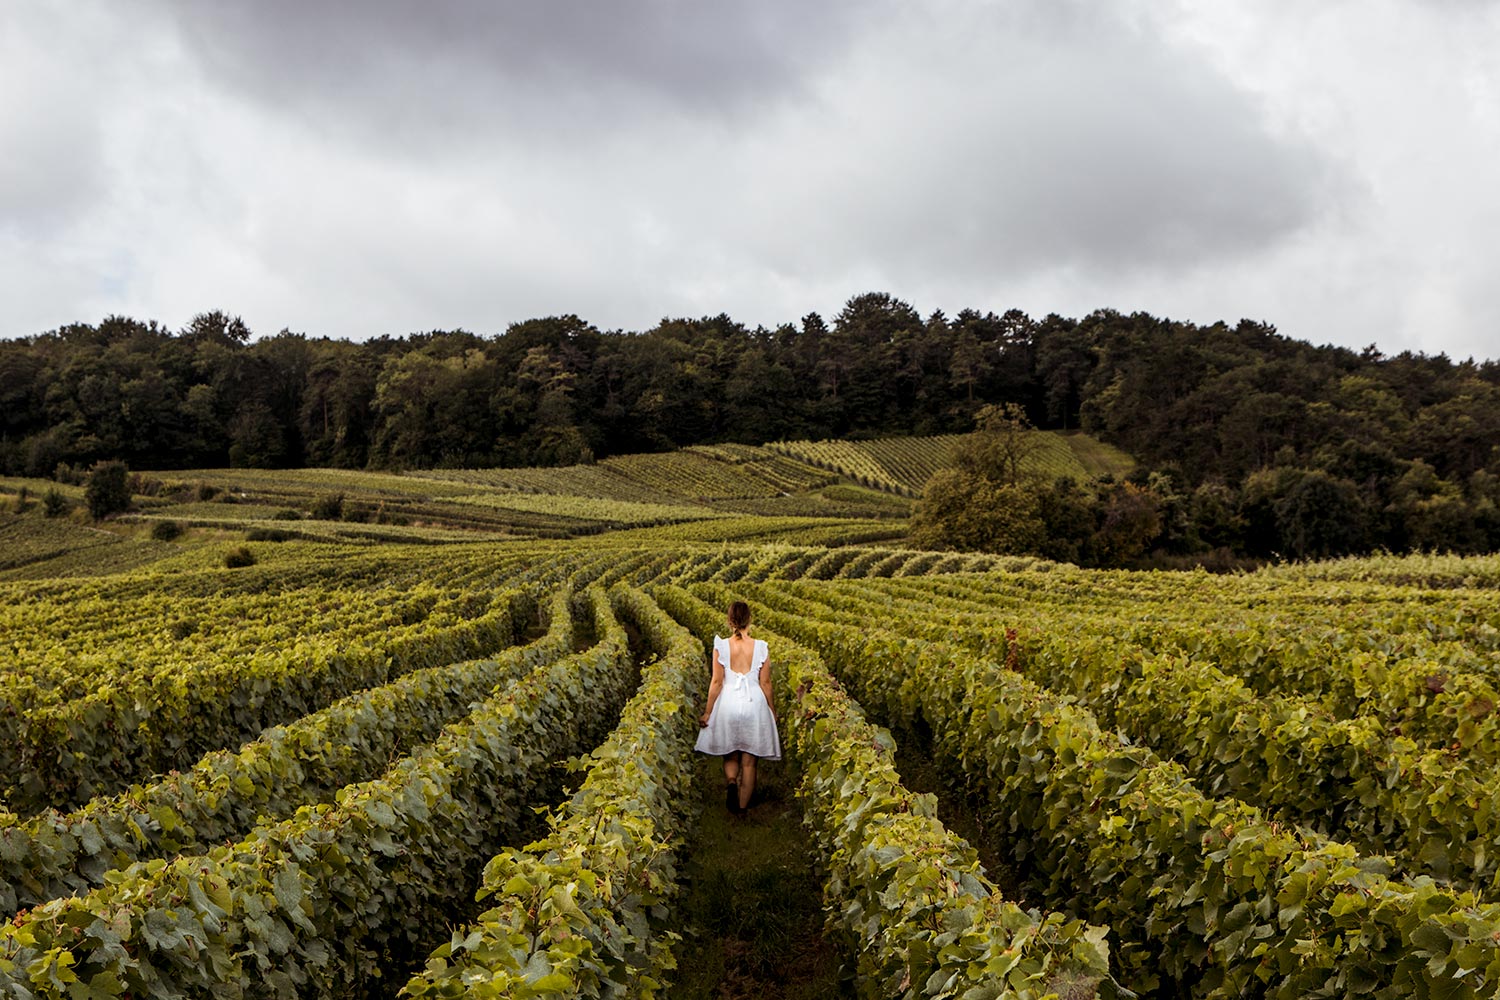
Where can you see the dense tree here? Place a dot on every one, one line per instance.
(108, 490)
(1257, 433)
(986, 500)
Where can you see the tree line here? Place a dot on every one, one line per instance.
(1234, 421)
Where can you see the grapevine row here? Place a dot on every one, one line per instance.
(1435, 809)
(580, 912)
(1434, 702)
(905, 895)
(227, 793)
(1205, 892)
(322, 903)
(66, 754)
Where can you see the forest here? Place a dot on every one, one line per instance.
(1249, 441)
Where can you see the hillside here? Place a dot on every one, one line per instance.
(800, 492)
(1275, 447)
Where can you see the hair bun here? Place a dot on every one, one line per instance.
(739, 617)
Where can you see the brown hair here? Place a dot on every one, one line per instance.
(739, 617)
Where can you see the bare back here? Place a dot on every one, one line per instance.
(741, 654)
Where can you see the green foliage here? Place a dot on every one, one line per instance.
(1200, 889)
(580, 913)
(165, 712)
(1001, 447)
(1209, 403)
(962, 510)
(316, 904)
(992, 500)
(166, 531)
(107, 491)
(54, 504)
(1280, 694)
(1435, 810)
(908, 898)
(238, 558)
(329, 507)
(227, 793)
(1128, 523)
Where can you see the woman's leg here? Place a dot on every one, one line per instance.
(732, 766)
(731, 775)
(747, 779)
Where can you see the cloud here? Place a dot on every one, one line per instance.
(395, 167)
(53, 165)
(464, 73)
(1044, 142)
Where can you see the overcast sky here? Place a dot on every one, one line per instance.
(386, 167)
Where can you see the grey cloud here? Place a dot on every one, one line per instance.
(1044, 142)
(458, 70)
(383, 167)
(53, 166)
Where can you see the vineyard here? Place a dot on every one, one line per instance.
(814, 492)
(337, 772)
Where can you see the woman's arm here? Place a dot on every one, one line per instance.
(765, 685)
(715, 685)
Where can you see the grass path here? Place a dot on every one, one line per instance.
(752, 921)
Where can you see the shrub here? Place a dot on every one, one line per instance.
(288, 514)
(166, 531)
(207, 491)
(145, 486)
(54, 504)
(269, 535)
(23, 497)
(329, 508)
(108, 490)
(236, 558)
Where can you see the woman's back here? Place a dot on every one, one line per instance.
(741, 654)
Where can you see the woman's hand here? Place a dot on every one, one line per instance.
(703, 721)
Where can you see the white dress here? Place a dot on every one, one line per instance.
(741, 719)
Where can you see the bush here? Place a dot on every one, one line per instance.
(329, 508)
(236, 558)
(288, 514)
(54, 504)
(966, 511)
(207, 492)
(269, 535)
(108, 490)
(166, 531)
(23, 497)
(145, 486)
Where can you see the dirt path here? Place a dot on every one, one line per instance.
(752, 921)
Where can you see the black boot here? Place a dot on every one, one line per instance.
(732, 796)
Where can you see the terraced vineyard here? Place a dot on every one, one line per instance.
(903, 465)
(829, 484)
(321, 775)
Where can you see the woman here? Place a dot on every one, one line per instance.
(739, 721)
